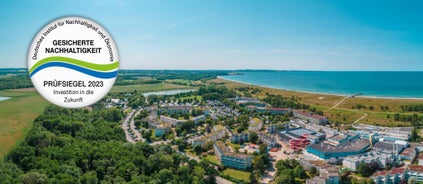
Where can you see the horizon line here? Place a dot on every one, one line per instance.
(299, 70)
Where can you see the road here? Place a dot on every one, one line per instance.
(124, 126)
(220, 180)
(137, 133)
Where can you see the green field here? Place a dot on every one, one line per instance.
(242, 175)
(148, 87)
(213, 159)
(17, 115)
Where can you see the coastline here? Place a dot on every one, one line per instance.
(318, 93)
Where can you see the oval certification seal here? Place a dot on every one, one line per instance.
(73, 62)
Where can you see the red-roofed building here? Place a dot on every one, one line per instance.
(408, 155)
(421, 159)
(393, 176)
(399, 175)
(310, 116)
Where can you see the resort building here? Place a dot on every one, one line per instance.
(394, 176)
(382, 159)
(161, 129)
(408, 155)
(269, 140)
(297, 133)
(327, 151)
(274, 128)
(198, 119)
(172, 121)
(176, 122)
(399, 175)
(174, 109)
(385, 133)
(310, 116)
(218, 133)
(328, 173)
(330, 132)
(387, 147)
(278, 111)
(421, 159)
(255, 125)
(341, 139)
(229, 159)
(240, 137)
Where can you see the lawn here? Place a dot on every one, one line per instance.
(213, 159)
(17, 115)
(242, 175)
(197, 97)
(190, 153)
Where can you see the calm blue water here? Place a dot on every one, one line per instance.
(378, 84)
(4, 98)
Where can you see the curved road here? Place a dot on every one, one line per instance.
(124, 126)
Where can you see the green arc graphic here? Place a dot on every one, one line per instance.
(92, 66)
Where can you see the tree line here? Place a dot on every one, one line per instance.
(88, 146)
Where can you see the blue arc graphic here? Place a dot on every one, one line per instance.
(102, 75)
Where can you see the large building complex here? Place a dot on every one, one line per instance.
(328, 151)
(381, 159)
(230, 159)
(310, 116)
(399, 175)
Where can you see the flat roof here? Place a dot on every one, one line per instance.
(300, 131)
(309, 114)
(237, 155)
(407, 151)
(347, 147)
(417, 168)
(383, 145)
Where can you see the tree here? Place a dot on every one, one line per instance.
(254, 177)
(253, 137)
(299, 172)
(89, 178)
(210, 174)
(286, 177)
(313, 171)
(363, 169)
(33, 178)
(258, 164)
(414, 135)
(147, 135)
(165, 176)
(197, 149)
(237, 148)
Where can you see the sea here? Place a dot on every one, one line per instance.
(371, 84)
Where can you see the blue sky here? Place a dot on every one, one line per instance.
(235, 34)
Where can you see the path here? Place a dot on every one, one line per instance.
(359, 119)
(339, 103)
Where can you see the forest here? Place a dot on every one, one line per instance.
(13, 78)
(88, 146)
